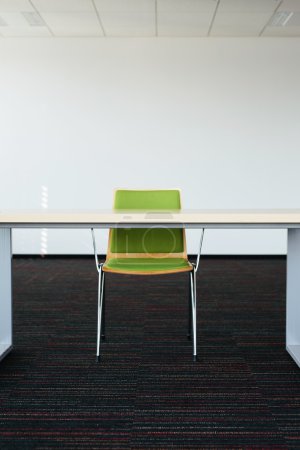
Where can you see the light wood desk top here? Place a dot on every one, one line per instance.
(210, 218)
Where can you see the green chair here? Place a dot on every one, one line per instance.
(147, 251)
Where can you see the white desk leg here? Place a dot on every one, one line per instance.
(293, 295)
(5, 292)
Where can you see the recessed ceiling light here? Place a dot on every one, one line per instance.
(280, 18)
(33, 19)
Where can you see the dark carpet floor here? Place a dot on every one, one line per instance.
(243, 393)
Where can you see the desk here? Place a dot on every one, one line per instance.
(213, 219)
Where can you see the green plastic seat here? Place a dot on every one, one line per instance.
(139, 266)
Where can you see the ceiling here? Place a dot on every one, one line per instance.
(149, 18)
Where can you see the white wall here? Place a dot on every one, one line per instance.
(218, 118)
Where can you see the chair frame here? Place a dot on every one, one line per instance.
(192, 322)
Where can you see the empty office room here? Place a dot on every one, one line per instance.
(149, 224)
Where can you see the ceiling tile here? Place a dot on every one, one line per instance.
(290, 5)
(135, 6)
(282, 31)
(15, 6)
(18, 26)
(25, 32)
(128, 24)
(247, 6)
(182, 18)
(15, 19)
(294, 20)
(239, 24)
(186, 5)
(56, 6)
(73, 24)
(183, 24)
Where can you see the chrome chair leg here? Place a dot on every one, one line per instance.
(100, 304)
(103, 310)
(194, 312)
(189, 333)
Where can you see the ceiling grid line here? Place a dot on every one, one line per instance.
(37, 11)
(99, 18)
(275, 10)
(156, 22)
(213, 18)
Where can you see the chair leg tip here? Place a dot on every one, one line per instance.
(98, 358)
(195, 358)
(189, 336)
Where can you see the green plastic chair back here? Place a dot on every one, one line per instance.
(147, 240)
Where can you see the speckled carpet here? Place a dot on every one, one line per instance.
(243, 393)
